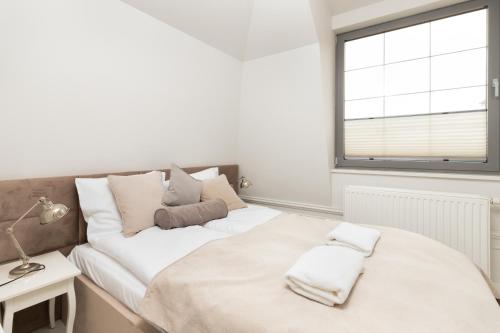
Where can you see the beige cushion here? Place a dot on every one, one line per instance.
(219, 188)
(137, 198)
(182, 190)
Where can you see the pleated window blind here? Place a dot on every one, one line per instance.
(418, 93)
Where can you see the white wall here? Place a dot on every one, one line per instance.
(281, 137)
(322, 19)
(283, 132)
(96, 85)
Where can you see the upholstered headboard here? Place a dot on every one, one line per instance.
(17, 196)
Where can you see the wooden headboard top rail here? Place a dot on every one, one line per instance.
(17, 196)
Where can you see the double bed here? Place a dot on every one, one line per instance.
(228, 275)
(135, 261)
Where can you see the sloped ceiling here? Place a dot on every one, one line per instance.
(222, 24)
(279, 25)
(244, 29)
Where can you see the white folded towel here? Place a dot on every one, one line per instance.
(326, 274)
(354, 236)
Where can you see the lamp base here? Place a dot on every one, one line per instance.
(26, 268)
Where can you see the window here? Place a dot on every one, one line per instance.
(419, 93)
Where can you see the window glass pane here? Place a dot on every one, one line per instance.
(364, 52)
(408, 43)
(364, 108)
(459, 100)
(459, 70)
(364, 83)
(407, 104)
(407, 77)
(459, 33)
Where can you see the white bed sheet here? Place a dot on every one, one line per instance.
(241, 220)
(109, 275)
(150, 251)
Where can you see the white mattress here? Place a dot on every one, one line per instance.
(109, 275)
(124, 266)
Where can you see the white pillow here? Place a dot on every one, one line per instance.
(99, 207)
(206, 174)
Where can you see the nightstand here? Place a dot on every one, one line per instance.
(56, 279)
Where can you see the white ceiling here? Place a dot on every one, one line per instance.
(244, 29)
(342, 6)
(222, 24)
(279, 25)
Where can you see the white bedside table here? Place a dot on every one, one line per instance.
(56, 279)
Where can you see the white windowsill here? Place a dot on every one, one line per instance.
(442, 175)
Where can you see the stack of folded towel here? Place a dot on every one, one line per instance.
(359, 238)
(326, 274)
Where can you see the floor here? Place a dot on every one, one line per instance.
(60, 328)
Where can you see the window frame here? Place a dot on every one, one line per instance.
(493, 153)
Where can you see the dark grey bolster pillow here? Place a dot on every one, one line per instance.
(192, 214)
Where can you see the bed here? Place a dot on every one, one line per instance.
(235, 283)
(112, 286)
(232, 281)
(127, 280)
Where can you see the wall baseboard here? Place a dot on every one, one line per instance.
(304, 207)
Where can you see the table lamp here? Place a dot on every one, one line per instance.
(50, 213)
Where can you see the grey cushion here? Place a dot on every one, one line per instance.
(183, 189)
(193, 214)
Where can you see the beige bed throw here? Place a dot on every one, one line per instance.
(236, 285)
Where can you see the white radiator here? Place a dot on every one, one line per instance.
(461, 221)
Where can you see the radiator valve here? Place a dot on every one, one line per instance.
(495, 201)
